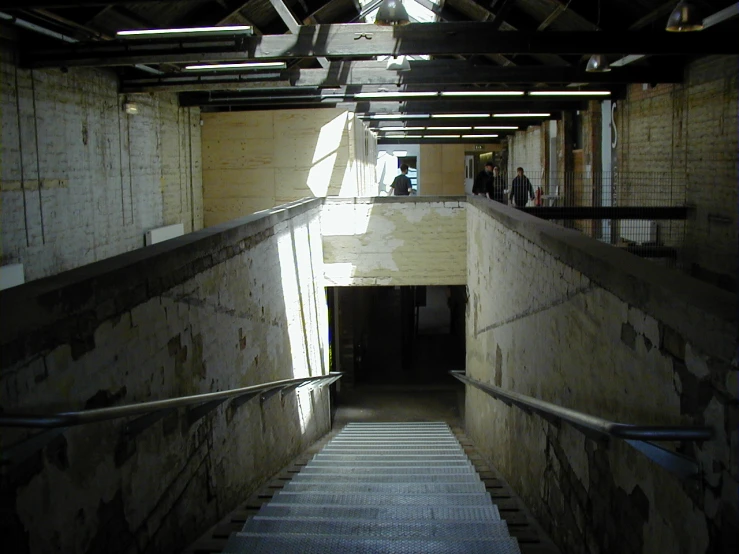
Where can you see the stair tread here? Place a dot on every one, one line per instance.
(340, 545)
(380, 529)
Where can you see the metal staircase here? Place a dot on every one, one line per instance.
(381, 487)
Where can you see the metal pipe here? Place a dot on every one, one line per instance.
(68, 419)
(36, 28)
(597, 424)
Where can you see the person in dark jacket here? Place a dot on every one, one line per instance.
(483, 181)
(402, 183)
(496, 190)
(521, 188)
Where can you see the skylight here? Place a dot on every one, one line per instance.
(416, 12)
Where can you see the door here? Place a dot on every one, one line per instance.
(469, 173)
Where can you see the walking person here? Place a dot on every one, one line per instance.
(483, 181)
(402, 183)
(496, 190)
(521, 189)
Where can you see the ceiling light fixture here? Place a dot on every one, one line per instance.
(440, 136)
(570, 93)
(391, 129)
(484, 93)
(447, 128)
(460, 115)
(394, 94)
(597, 63)
(399, 116)
(521, 115)
(479, 136)
(246, 65)
(391, 12)
(684, 18)
(187, 31)
(496, 128)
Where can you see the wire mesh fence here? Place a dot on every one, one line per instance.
(640, 212)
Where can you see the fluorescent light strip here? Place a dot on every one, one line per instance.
(245, 65)
(394, 94)
(391, 129)
(439, 136)
(495, 128)
(479, 136)
(569, 93)
(448, 128)
(460, 115)
(190, 31)
(399, 116)
(521, 115)
(484, 93)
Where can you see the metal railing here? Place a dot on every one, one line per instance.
(602, 429)
(642, 212)
(148, 412)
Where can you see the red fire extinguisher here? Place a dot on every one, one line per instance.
(537, 200)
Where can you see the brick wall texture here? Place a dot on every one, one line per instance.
(394, 242)
(217, 311)
(80, 180)
(689, 131)
(540, 327)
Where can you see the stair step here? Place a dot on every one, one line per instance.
(387, 513)
(370, 499)
(380, 529)
(387, 488)
(390, 457)
(382, 470)
(323, 462)
(339, 545)
(384, 478)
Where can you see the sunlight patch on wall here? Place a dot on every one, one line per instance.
(319, 176)
(329, 137)
(291, 296)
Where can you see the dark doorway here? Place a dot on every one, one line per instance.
(411, 335)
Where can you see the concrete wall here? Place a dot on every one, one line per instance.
(257, 160)
(561, 317)
(394, 241)
(235, 305)
(80, 180)
(689, 131)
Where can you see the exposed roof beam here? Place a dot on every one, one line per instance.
(479, 10)
(502, 7)
(269, 101)
(29, 4)
(349, 40)
(562, 6)
(429, 73)
(292, 24)
(655, 14)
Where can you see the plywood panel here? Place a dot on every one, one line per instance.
(230, 183)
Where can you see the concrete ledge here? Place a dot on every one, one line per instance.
(703, 314)
(394, 199)
(67, 308)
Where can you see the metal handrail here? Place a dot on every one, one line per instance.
(636, 435)
(68, 419)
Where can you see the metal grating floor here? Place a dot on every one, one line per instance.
(390, 488)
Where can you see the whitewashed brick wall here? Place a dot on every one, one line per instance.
(394, 241)
(105, 177)
(241, 307)
(557, 316)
